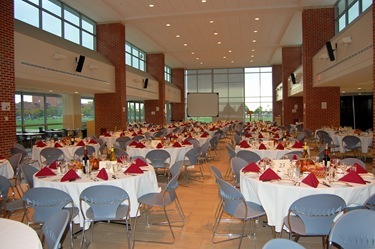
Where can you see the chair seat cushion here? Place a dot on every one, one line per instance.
(121, 212)
(156, 199)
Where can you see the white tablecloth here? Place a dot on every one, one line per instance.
(134, 185)
(109, 140)
(14, 234)
(67, 150)
(366, 141)
(272, 154)
(277, 198)
(177, 153)
(6, 169)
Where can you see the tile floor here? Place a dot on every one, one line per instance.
(199, 202)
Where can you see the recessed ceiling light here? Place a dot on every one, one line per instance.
(359, 88)
(232, 62)
(178, 36)
(75, 92)
(201, 63)
(256, 18)
(168, 24)
(251, 61)
(211, 21)
(216, 33)
(203, 1)
(252, 50)
(192, 52)
(219, 42)
(185, 44)
(50, 91)
(229, 51)
(252, 56)
(151, 5)
(197, 58)
(255, 31)
(254, 40)
(224, 57)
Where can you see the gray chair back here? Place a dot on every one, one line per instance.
(351, 161)
(354, 230)
(237, 163)
(248, 156)
(50, 154)
(54, 227)
(159, 158)
(29, 171)
(80, 151)
(282, 243)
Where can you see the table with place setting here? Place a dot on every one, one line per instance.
(68, 150)
(6, 168)
(176, 153)
(135, 184)
(278, 193)
(364, 137)
(270, 149)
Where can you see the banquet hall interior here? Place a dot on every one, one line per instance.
(231, 73)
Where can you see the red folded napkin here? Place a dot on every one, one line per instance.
(119, 160)
(134, 143)
(260, 136)
(40, 144)
(2, 158)
(248, 135)
(80, 143)
(107, 134)
(358, 169)
(140, 133)
(139, 162)
(276, 135)
(70, 175)
(134, 169)
(92, 141)
(262, 147)
(45, 171)
(244, 144)
(352, 177)
(134, 134)
(204, 135)
(159, 146)
(102, 174)
(177, 144)
(174, 136)
(269, 175)
(185, 142)
(279, 147)
(294, 157)
(251, 167)
(311, 180)
(152, 130)
(53, 165)
(212, 129)
(298, 145)
(140, 145)
(58, 145)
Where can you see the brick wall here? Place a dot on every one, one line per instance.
(276, 79)
(109, 106)
(7, 77)
(318, 27)
(291, 60)
(178, 109)
(155, 67)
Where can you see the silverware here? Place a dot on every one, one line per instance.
(326, 184)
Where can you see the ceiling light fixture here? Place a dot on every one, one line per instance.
(252, 50)
(229, 51)
(256, 18)
(224, 57)
(185, 44)
(254, 40)
(216, 33)
(178, 36)
(211, 21)
(168, 24)
(255, 31)
(203, 1)
(151, 5)
(219, 42)
(192, 52)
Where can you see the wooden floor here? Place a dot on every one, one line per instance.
(199, 201)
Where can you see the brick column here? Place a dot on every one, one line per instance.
(7, 77)
(276, 79)
(178, 109)
(109, 107)
(291, 60)
(155, 109)
(318, 27)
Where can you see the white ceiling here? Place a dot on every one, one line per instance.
(234, 21)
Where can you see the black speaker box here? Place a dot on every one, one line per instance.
(330, 51)
(293, 78)
(80, 62)
(145, 83)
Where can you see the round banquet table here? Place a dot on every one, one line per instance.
(6, 169)
(68, 151)
(272, 154)
(135, 185)
(276, 198)
(15, 234)
(177, 153)
(366, 141)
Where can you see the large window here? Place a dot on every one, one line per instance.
(136, 112)
(167, 73)
(59, 19)
(87, 111)
(348, 10)
(135, 57)
(240, 90)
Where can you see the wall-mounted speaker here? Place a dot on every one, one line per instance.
(293, 78)
(80, 62)
(145, 83)
(330, 50)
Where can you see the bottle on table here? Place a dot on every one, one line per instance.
(85, 161)
(112, 156)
